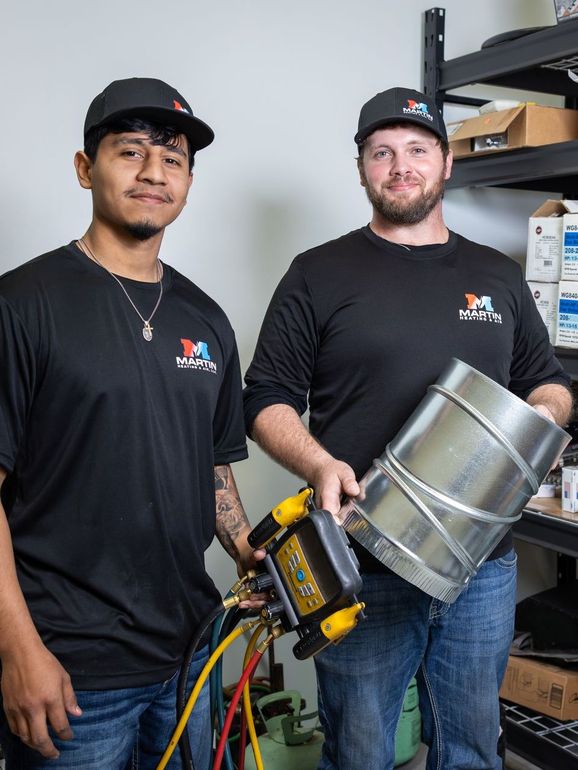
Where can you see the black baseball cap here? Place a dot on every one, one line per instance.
(149, 99)
(400, 105)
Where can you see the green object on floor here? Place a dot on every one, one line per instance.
(408, 733)
(288, 745)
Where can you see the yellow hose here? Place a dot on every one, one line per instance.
(182, 723)
(247, 699)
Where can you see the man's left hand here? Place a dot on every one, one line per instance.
(249, 559)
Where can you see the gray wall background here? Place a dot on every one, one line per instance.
(281, 84)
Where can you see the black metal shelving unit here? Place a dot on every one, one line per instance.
(542, 739)
(536, 62)
(551, 532)
(568, 357)
(552, 168)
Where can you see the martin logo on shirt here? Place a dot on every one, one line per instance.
(480, 309)
(196, 356)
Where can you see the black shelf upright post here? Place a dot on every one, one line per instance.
(433, 53)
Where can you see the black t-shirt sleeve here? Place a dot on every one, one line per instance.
(17, 375)
(284, 360)
(228, 431)
(533, 361)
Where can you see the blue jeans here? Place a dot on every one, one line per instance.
(459, 652)
(126, 729)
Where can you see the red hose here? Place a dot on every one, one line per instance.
(232, 707)
(243, 732)
(242, 741)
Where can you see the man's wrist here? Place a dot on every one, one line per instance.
(319, 465)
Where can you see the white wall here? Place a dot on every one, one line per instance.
(281, 84)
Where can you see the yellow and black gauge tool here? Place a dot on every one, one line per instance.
(283, 515)
(313, 578)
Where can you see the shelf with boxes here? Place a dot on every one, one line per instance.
(523, 147)
(537, 62)
(552, 270)
(551, 168)
(518, 151)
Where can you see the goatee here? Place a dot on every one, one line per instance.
(142, 231)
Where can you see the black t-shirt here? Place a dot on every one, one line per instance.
(359, 328)
(110, 443)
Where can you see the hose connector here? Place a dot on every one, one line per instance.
(231, 601)
(260, 582)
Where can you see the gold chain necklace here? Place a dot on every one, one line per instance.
(147, 330)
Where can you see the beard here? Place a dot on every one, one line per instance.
(143, 230)
(400, 211)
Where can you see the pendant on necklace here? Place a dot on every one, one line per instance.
(147, 331)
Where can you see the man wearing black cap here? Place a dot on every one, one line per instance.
(120, 412)
(357, 330)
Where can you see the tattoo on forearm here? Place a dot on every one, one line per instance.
(222, 474)
(231, 518)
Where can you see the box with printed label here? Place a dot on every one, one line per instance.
(546, 299)
(567, 323)
(570, 489)
(569, 269)
(551, 690)
(566, 10)
(527, 125)
(544, 252)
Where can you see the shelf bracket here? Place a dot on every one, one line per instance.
(433, 53)
(566, 569)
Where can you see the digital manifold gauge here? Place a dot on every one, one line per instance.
(312, 575)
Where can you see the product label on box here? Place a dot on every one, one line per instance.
(546, 299)
(491, 142)
(570, 489)
(570, 247)
(544, 253)
(567, 327)
(571, 244)
(547, 252)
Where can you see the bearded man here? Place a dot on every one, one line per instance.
(357, 330)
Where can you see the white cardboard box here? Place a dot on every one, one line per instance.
(546, 298)
(544, 253)
(570, 242)
(570, 489)
(567, 325)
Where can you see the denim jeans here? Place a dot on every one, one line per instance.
(124, 729)
(458, 653)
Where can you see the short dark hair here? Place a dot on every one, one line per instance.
(157, 133)
(444, 145)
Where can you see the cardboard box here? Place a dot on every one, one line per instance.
(552, 252)
(570, 489)
(545, 238)
(528, 125)
(567, 324)
(551, 690)
(569, 269)
(546, 299)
